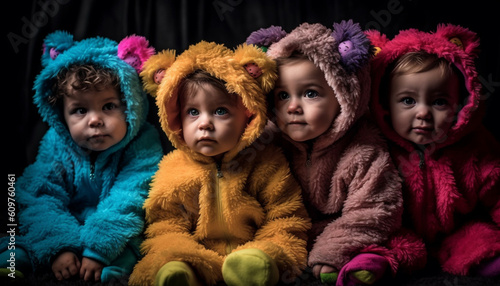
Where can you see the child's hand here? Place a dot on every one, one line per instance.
(66, 265)
(91, 269)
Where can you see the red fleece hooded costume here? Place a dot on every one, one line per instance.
(451, 187)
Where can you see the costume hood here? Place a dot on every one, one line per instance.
(457, 45)
(125, 59)
(342, 55)
(246, 71)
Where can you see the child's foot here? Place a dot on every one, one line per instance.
(176, 273)
(250, 267)
(364, 269)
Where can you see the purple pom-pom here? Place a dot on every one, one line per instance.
(353, 47)
(265, 37)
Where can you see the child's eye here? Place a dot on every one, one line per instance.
(283, 95)
(440, 102)
(311, 94)
(79, 110)
(408, 101)
(193, 112)
(221, 111)
(109, 106)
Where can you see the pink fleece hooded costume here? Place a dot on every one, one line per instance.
(351, 188)
(451, 187)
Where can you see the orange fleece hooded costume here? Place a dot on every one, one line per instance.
(199, 211)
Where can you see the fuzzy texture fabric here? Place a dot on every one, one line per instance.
(451, 188)
(62, 207)
(198, 217)
(266, 37)
(351, 189)
(353, 45)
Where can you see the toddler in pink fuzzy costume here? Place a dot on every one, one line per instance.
(351, 187)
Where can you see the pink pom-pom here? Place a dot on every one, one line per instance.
(135, 50)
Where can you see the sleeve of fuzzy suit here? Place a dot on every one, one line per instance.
(372, 208)
(44, 190)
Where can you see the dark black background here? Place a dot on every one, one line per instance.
(178, 24)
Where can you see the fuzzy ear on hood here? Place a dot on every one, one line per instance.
(353, 45)
(377, 40)
(457, 45)
(462, 37)
(155, 69)
(265, 37)
(54, 44)
(135, 50)
(257, 65)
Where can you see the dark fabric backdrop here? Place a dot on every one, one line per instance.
(178, 24)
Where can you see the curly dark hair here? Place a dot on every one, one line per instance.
(79, 78)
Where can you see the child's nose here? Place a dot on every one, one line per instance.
(205, 123)
(95, 119)
(294, 107)
(424, 112)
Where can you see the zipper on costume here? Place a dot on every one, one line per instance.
(92, 160)
(421, 155)
(308, 159)
(219, 171)
(220, 212)
(92, 171)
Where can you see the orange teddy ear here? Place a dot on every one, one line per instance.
(377, 40)
(463, 38)
(257, 64)
(154, 70)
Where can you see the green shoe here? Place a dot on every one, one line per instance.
(364, 276)
(176, 273)
(329, 278)
(250, 267)
(8, 277)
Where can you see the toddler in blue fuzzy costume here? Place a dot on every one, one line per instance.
(81, 200)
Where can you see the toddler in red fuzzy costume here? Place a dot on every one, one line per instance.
(426, 99)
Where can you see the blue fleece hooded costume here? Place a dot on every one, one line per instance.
(66, 201)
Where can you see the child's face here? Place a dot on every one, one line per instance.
(95, 119)
(212, 122)
(422, 105)
(305, 104)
